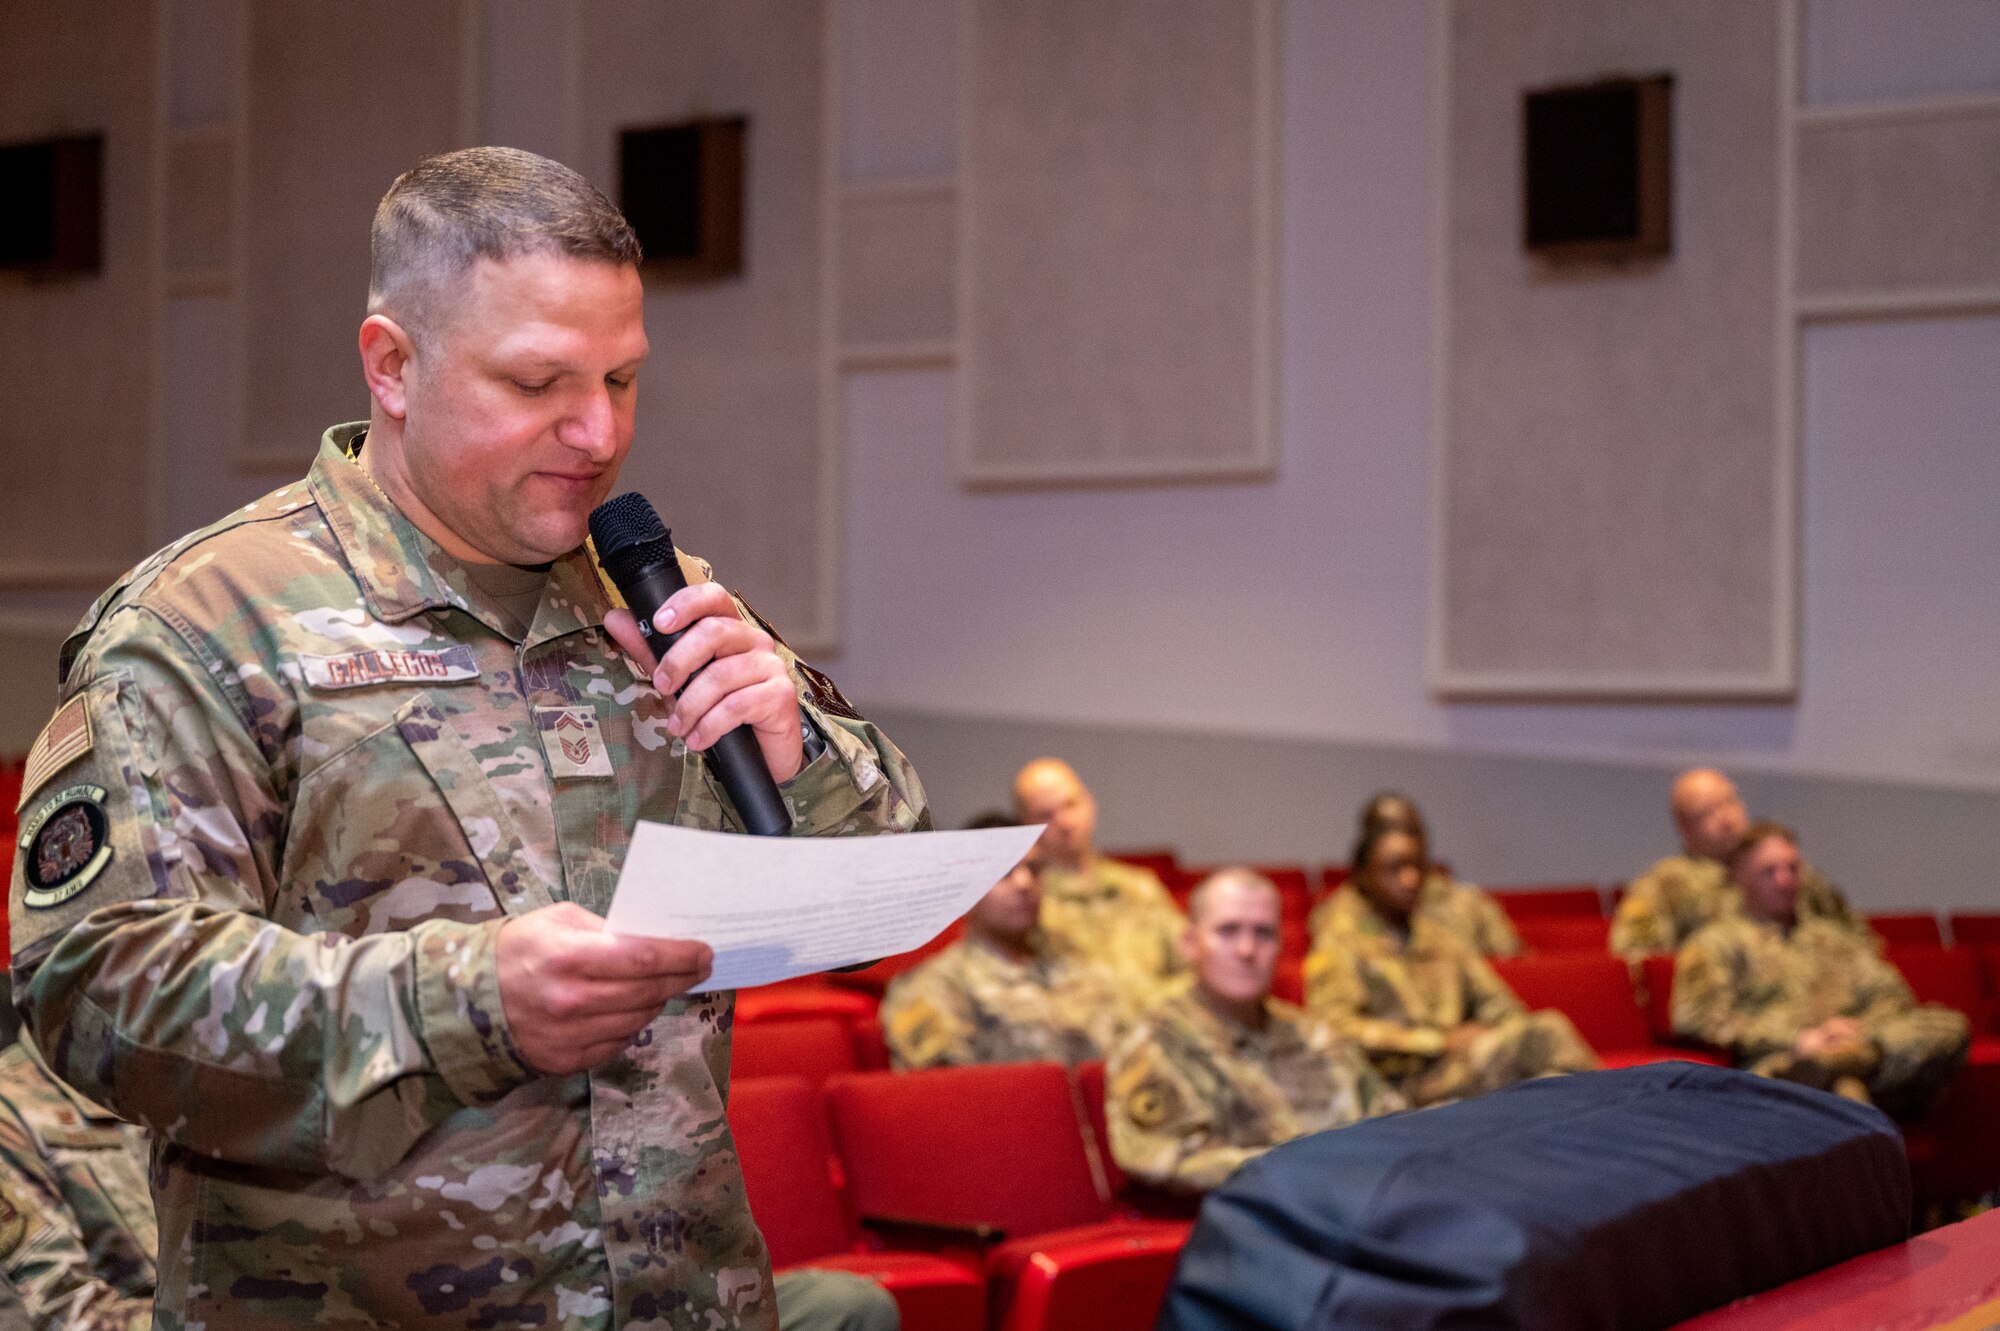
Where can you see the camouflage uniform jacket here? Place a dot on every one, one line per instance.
(1117, 915)
(1397, 996)
(325, 776)
(1460, 907)
(1193, 1094)
(76, 1216)
(972, 1003)
(1747, 985)
(1666, 905)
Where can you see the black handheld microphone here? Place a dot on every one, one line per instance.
(638, 552)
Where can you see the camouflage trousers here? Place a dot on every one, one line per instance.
(1534, 1044)
(1920, 1052)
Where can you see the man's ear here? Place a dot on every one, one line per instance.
(386, 353)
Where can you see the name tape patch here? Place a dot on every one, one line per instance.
(63, 740)
(360, 670)
(64, 845)
(572, 741)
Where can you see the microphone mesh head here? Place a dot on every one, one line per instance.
(625, 523)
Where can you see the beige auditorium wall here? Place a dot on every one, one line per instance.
(1615, 463)
(1118, 240)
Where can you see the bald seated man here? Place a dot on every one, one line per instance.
(1458, 906)
(1666, 905)
(1117, 915)
(1220, 1071)
(1808, 1000)
(1003, 993)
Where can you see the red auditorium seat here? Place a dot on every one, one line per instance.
(1331, 877)
(796, 1190)
(1088, 1078)
(998, 1146)
(1563, 933)
(1289, 980)
(1113, 1283)
(1975, 929)
(1595, 992)
(1522, 902)
(1918, 927)
(811, 996)
(813, 1048)
(1949, 975)
(1945, 1280)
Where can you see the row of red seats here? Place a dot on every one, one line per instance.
(968, 1217)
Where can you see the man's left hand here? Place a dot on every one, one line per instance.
(731, 670)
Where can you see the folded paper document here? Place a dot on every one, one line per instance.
(776, 907)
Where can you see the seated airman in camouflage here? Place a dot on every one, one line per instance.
(1807, 1000)
(1666, 905)
(1220, 1072)
(1438, 1022)
(76, 1217)
(1118, 915)
(1004, 993)
(1459, 906)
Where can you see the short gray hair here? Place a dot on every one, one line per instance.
(447, 212)
(1238, 874)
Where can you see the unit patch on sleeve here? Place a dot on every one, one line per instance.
(63, 740)
(64, 845)
(573, 743)
(358, 670)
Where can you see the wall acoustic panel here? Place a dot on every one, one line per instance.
(733, 442)
(79, 351)
(898, 267)
(1118, 241)
(1615, 492)
(1900, 199)
(342, 99)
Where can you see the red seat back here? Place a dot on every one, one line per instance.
(814, 1048)
(1090, 1094)
(1105, 1283)
(997, 1144)
(1658, 975)
(1521, 902)
(812, 996)
(1563, 933)
(790, 1174)
(1590, 988)
(1914, 927)
(1977, 928)
(1331, 876)
(1947, 975)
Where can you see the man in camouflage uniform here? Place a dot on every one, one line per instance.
(1003, 993)
(1806, 1000)
(316, 850)
(1220, 1072)
(1663, 907)
(1458, 906)
(76, 1219)
(1117, 915)
(1428, 1009)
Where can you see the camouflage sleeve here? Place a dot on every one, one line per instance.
(1494, 932)
(1337, 992)
(1488, 998)
(1641, 926)
(1880, 991)
(46, 1259)
(1712, 1004)
(158, 987)
(1820, 899)
(1162, 1133)
(926, 1022)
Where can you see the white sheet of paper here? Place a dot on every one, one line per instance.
(776, 907)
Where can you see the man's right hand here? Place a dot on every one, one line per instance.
(575, 993)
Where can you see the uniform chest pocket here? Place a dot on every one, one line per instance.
(403, 826)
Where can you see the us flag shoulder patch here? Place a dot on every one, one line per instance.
(63, 740)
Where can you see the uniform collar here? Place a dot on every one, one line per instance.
(403, 572)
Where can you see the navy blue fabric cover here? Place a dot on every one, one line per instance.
(1633, 1198)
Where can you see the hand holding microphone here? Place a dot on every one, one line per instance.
(734, 699)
